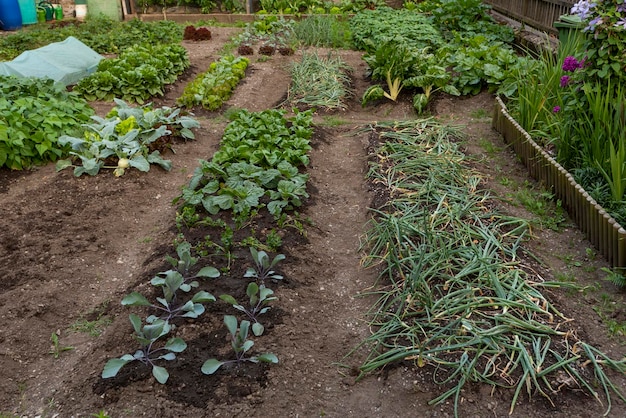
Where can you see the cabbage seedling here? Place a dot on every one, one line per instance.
(259, 297)
(241, 345)
(148, 335)
(263, 270)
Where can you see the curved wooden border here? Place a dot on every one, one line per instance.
(608, 236)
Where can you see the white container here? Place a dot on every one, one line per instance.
(81, 11)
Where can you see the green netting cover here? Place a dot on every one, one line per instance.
(66, 62)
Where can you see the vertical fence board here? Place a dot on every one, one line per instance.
(540, 14)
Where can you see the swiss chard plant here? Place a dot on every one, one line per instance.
(429, 77)
(241, 344)
(259, 297)
(213, 87)
(149, 336)
(393, 61)
(33, 114)
(127, 137)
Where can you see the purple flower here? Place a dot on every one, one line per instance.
(570, 64)
(592, 24)
(621, 8)
(583, 8)
(565, 80)
(556, 109)
(621, 22)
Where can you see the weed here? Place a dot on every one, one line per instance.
(480, 114)
(550, 214)
(506, 182)
(333, 121)
(489, 147)
(93, 327)
(57, 348)
(591, 253)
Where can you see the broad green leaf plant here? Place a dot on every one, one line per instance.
(240, 344)
(124, 139)
(150, 352)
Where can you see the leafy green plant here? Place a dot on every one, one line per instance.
(370, 28)
(240, 344)
(263, 266)
(393, 61)
(33, 113)
(213, 87)
(430, 77)
(137, 74)
(148, 335)
(259, 296)
(604, 38)
(128, 137)
(172, 281)
(258, 160)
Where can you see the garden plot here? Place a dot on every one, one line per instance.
(73, 248)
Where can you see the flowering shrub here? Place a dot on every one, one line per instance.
(606, 37)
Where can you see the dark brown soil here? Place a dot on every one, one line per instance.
(72, 248)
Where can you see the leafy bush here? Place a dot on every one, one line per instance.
(256, 166)
(139, 73)
(128, 137)
(213, 87)
(371, 27)
(605, 42)
(33, 113)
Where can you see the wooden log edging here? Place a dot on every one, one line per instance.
(604, 232)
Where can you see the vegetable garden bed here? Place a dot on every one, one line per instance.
(92, 250)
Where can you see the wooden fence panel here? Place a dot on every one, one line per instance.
(540, 14)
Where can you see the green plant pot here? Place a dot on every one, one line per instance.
(568, 27)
